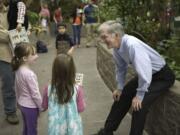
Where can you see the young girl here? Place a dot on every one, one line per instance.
(63, 116)
(26, 87)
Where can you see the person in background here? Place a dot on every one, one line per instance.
(17, 15)
(57, 18)
(91, 20)
(44, 15)
(77, 24)
(64, 43)
(28, 95)
(6, 73)
(153, 78)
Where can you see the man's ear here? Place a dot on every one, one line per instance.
(117, 34)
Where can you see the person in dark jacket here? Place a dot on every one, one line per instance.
(64, 43)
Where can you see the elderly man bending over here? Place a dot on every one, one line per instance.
(153, 78)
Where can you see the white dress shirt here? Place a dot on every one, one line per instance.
(144, 60)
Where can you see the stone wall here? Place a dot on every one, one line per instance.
(163, 117)
(106, 66)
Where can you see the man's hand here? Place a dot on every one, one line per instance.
(116, 95)
(136, 104)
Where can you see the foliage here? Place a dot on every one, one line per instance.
(33, 18)
(107, 11)
(138, 15)
(170, 50)
(149, 19)
(176, 6)
(68, 7)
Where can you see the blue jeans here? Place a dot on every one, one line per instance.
(7, 86)
(77, 34)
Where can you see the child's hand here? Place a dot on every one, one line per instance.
(28, 33)
(40, 111)
(69, 52)
(18, 106)
(44, 109)
(19, 27)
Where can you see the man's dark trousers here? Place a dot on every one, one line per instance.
(161, 82)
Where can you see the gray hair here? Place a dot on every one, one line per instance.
(112, 26)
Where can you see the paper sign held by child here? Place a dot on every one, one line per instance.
(79, 78)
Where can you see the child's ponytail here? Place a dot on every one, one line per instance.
(16, 63)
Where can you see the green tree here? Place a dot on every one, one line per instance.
(147, 18)
(68, 7)
(143, 16)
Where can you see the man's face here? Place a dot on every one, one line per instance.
(112, 40)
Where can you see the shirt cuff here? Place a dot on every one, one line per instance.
(140, 95)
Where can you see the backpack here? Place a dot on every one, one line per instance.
(41, 47)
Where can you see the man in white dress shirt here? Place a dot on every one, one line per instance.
(153, 77)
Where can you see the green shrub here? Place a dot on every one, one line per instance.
(33, 18)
